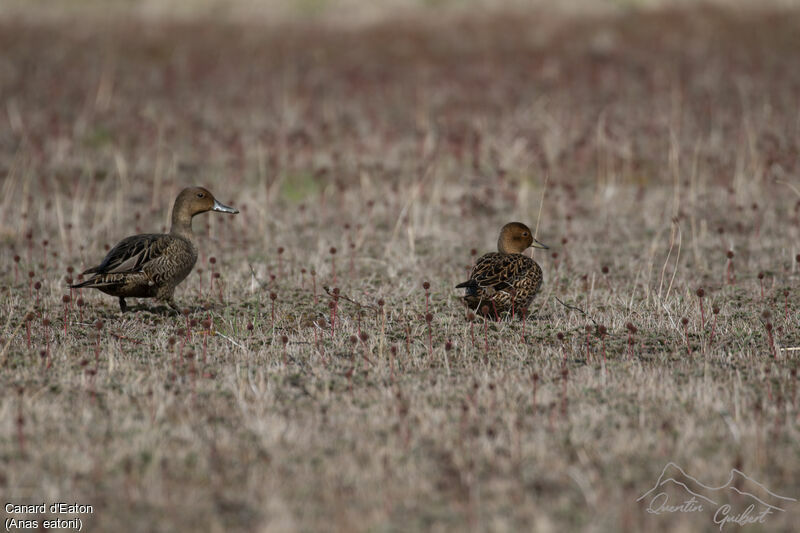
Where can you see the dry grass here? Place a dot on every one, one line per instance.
(657, 142)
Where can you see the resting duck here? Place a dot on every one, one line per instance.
(506, 278)
(152, 265)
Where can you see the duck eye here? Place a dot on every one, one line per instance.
(201, 195)
(524, 233)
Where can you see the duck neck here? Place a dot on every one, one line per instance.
(181, 223)
(504, 248)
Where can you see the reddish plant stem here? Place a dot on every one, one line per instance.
(713, 327)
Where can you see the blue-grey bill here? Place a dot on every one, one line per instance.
(222, 208)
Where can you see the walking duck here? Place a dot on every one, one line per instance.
(152, 265)
(504, 281)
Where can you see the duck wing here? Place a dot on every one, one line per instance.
(497, 272)
(132, 254)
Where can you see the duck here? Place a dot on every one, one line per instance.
(151, 265)
(506, 280)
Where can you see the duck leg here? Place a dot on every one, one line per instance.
(123, 307)
(173, 305)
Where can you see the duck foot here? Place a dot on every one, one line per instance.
(123, 307)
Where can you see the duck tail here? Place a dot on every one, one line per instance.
(82, 284)
(471, 285)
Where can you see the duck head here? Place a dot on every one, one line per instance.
(515, 238)
(192, 201)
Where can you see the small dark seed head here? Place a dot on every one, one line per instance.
(353, 339)
(302, 270)
(70, 270)
(448, 346)
(98, 325)
(797, 258)
(37, 285)
(172, 340)
(605, 269)
(332, 304)
(588, 328)
(363, 336)
(217, 274)
(393, 349)
(786, 293)
(280, 250)
(212, 260)
(684, 321)
(715, 310)
(80, 302)
(65, 299)
(333, 250)
(485, 309)
(16, 259)
(601, 330)
(207, 323)
(273, 296)
(766, 314)
(761, 275)
(535, 377)
(473, 252)
(426, 285)
(46, 322)
(701, 292)
(30, 316)
(429, 318)
(470, 316)
(730, 254)
(185, 312)
(381, 303)
(768, 325)
(560, 336)
(249, 326)
(284, 339)
(193, 323)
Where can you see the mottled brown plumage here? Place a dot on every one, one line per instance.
(505, 279)
(152, 265)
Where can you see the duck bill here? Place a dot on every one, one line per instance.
(537, 244)
(222, 208)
